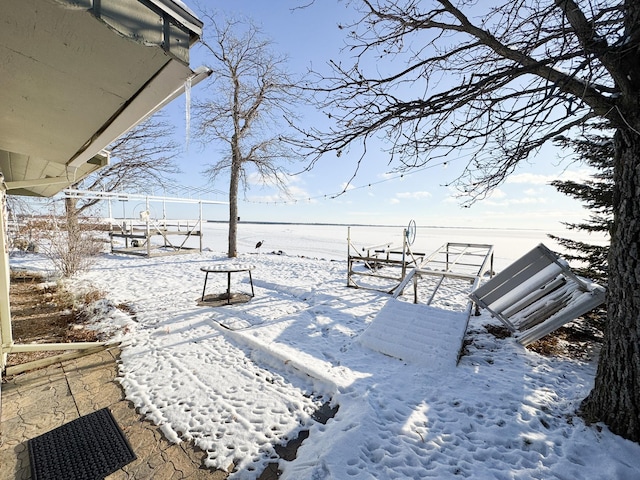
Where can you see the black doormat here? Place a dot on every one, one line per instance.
(90, 447)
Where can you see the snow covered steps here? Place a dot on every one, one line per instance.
(417, 334)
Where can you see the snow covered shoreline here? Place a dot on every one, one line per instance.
(240, 379)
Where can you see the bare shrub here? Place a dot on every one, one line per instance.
(72, 246)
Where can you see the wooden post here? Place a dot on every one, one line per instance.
(201, 232)
(147, 229)
(110, 212)
(348, 256)
(404, 253)
(6, 336)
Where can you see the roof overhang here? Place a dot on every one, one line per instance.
(34, 176)
(77, 74)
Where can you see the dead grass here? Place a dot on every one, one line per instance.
(498, 331)
(45, 312)
(580, 339)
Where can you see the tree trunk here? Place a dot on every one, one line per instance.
(73, 222)
(233, 207)
(71, 211)
(615, 398)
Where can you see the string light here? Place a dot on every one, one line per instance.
(332, 196)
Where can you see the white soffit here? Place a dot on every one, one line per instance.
(71, 84)
(42, 178)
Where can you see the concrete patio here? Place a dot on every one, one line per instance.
(36, 402)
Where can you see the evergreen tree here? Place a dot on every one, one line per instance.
(595, 150)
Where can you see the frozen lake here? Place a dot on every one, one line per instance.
(330, 241)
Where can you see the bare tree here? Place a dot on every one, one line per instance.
(499, 80)
(141, 159)
(251, 102)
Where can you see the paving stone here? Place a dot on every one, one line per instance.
(13, 432)
(31, 390)
(36, 402)
(14, 462)
(108, 395)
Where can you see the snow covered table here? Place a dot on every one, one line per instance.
(227, 268)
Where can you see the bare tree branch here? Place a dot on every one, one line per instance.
(142, 159)
(506, 84)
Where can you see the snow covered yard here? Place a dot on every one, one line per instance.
(239, 380)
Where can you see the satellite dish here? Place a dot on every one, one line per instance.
(410, 232)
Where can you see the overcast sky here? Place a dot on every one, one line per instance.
(310, 37)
